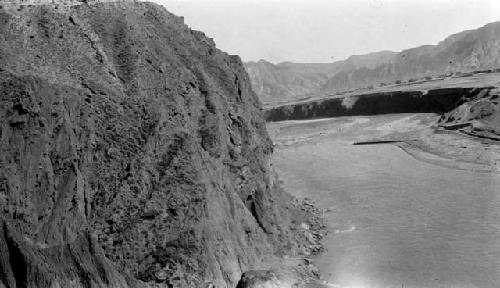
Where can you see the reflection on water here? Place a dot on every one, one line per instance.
(395, 221)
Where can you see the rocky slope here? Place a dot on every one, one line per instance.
(132, 153)
(477, 115)
(462, 52)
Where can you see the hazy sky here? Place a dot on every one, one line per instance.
(329, 30)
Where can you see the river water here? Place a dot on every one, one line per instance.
(394, 221)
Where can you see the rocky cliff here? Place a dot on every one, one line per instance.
(133, 152)
(477, 115)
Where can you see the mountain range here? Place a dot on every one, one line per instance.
(462, 52)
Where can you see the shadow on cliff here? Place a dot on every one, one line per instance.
(119, 120)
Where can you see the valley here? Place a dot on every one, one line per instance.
(407, 176)
(136, 153)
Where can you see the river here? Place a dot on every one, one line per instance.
(394, 221)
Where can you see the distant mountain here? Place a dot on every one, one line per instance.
(370, 60)
(288, 80)
(462, 52)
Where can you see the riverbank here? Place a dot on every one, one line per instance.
(393, 220)
(455, 151)
(413, 133)
(445, 148)
(297, 270)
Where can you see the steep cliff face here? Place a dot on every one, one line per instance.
(122, 128)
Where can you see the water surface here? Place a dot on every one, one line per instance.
(394, 221)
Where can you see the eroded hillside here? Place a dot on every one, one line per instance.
(132, 152)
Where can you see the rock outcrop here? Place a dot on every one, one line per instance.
(79, 263)
(477, 115)
(132, 152)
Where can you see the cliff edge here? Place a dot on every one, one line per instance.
(133, 153)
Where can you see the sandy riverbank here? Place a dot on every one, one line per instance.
(381, 203)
